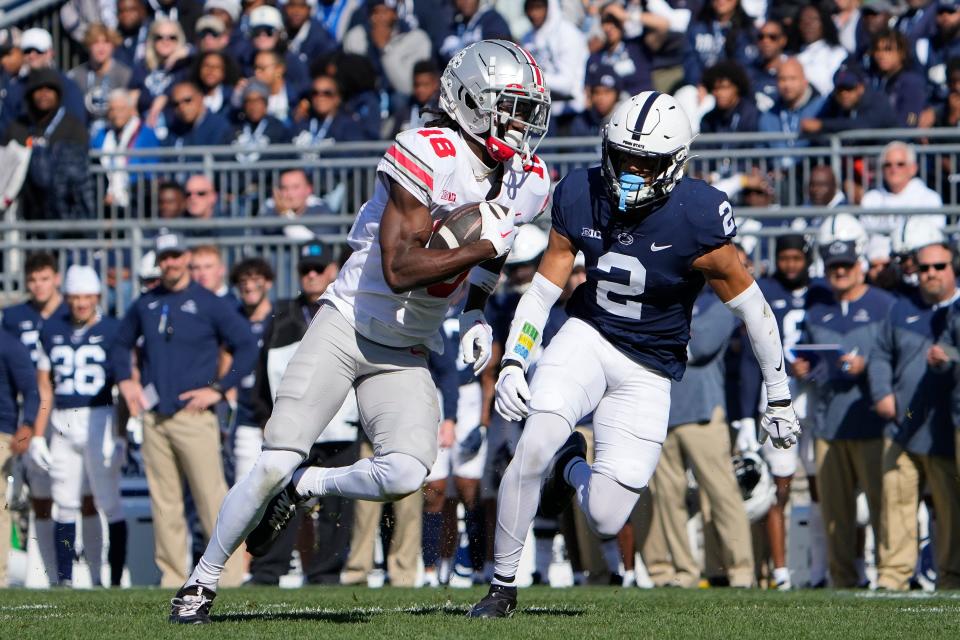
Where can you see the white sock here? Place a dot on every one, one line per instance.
(611, 555)
(47, 547)
(818, 545)
(519, 494)
(92, 531)
(444, 571)
(544, 556)
(781, 574)
(242, 508)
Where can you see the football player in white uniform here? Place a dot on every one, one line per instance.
(384, 311)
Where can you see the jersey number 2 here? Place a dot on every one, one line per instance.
(637, 283)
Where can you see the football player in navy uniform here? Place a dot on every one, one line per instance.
(651, 239)
(25, 321)
(86, 450)
(790, 291)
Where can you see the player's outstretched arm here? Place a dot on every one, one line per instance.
(526, 329)
(736, 288)
(405, 228)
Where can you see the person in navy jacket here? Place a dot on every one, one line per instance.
(722, 31)
(183, 327)
(849, 445)
(891, 75)
(851, 105)
(911, 380)
(193, 124)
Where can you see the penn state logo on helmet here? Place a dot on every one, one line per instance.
(645, 146)
(495, 91)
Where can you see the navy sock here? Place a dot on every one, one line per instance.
(117, 556)
(65, 537)
(432, 526)
(477, 536)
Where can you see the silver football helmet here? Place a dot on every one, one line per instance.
(492, 84)
(651, 132)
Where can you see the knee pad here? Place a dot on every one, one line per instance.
(548, 400)
(398, 474)
(273, 469)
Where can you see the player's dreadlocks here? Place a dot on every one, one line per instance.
(441, 119)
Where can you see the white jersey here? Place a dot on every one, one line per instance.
(438, 168)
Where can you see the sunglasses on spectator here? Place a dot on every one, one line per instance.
(899, 165)
(770, 36)
(30, 50)
(199, 194)
(263, 31)
(326, 93)
(209, 33)
(177, 103)
(169, 37)
(936, 266)
(312, 268)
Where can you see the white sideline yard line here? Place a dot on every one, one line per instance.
(28, 607)
(904, 595)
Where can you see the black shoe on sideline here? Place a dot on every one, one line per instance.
(279, 513)
(500, 602)
(555, 492)
(192, 605)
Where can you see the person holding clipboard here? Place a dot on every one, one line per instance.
(836, 340)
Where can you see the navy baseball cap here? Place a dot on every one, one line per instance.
(603, 75)
(839, 252)
(948, 6)
(848, 76)
(314, 255)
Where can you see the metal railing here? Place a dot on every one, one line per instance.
(245, 177)
(115, 248)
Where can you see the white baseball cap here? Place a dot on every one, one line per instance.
(266, 16)
(81, 280)
(38, 39)
(231, 7)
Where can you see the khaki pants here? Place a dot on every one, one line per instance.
(842, 466)
(5, 461)
(404, 555)
(904, 476)
(706, 447)
(184, 445)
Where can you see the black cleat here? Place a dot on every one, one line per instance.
(279, 513)
(192, 605)
(500, 602)
(555, 492)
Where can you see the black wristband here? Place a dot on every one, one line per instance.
(216, 386)
(780, 403)
(510, 362)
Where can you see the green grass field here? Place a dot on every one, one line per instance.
(545, 614)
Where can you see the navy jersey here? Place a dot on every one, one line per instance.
(77, 359)
(247, 389)
(24, 321)
(641, 284)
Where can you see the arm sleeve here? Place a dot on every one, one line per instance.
(526, 330)
(123, 343)
(751, 307)
(24, 378)
(235, 333)
(679, 19)
(880, 363)
(709, 335)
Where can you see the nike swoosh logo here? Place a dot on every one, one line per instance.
(780, 366)
(154, 304)
(96, 339)
(504, 235)
(912, 319)
(655, 247)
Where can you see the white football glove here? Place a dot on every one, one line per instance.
(512, 393)
(497, 226)
(39, 453)
(476, 339)
(780, 424)
(746, 435)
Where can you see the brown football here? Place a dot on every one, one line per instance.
(461, 226)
